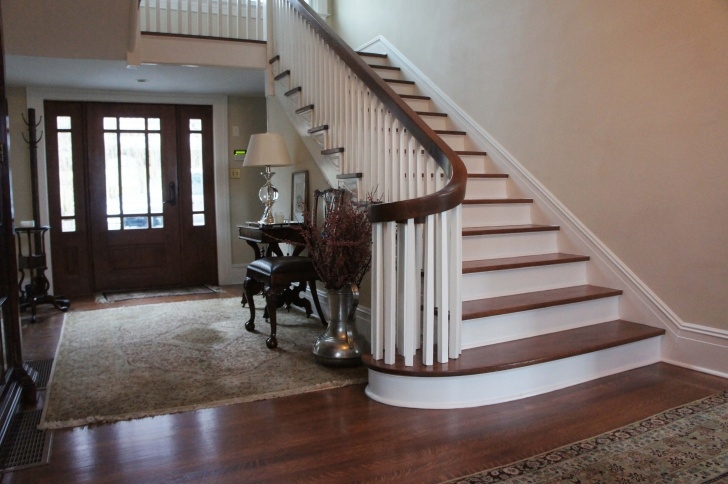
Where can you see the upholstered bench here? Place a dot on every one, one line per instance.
(274, 276)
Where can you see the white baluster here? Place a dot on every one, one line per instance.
(377, 283)
(390, 293)
(428, 293)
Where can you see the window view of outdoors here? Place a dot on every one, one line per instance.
(134, 193)
(198, 194)
(65, 174)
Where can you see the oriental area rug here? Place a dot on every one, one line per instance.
(687, 445)
(139, 361)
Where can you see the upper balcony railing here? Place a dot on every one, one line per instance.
(228, 19)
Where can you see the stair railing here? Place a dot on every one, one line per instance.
(419, 179)
(230, 19)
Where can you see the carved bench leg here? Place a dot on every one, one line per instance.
(272, 296)
(250, 287)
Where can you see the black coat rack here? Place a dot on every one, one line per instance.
(31, 240)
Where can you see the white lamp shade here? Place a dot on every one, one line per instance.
(266, 149)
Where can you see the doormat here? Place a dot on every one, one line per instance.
(43, 368)
(687, 444)
(25, 445)
(116, 296)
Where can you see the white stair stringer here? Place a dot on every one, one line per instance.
(503, 386)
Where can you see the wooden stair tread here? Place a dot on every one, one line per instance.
(487, 175)
(384, 67)
(318, 129)
(372, 54)
(485, 265)
(301, 110)
(450, 131)
(495, 201)
(293, 91)
(525, 352)
(508, 229)
(493, 306)
(283, 74)
(415, 96)
(400, 81)
(274, 59)
(471, 153)
(332, 151)
(431, 113)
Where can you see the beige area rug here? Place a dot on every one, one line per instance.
(139, 361)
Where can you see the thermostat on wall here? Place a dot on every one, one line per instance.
(239, 155)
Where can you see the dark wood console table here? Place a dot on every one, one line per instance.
(265, 241)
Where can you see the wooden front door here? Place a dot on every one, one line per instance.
(145, 217)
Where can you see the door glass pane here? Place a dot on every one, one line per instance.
(113, 206)
(110, 124)
(131, 223)
(132, 124)
(198, 219)
(65, 174)
(198, 194)
(63, 122)
(134, 184)
(155, 173)
(113, 223)
(195, 125)
(68, 225)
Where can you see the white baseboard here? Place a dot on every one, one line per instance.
(689, 345)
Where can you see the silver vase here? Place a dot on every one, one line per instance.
(339, 345)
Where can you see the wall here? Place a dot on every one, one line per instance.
(20, 154)
(619, 108)
(246, 116)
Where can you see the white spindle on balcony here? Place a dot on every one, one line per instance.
(231, 19)
(416, 263)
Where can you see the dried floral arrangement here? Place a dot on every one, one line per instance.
(341, 247)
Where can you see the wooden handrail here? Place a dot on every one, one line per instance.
(453, 193)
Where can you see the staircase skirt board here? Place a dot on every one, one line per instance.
(488, 284)
(446, 392)
(500, 328)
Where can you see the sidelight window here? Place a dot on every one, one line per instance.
(197, 185)
(133, 162)
(65, 174)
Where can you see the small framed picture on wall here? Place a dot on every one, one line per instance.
(299, 195)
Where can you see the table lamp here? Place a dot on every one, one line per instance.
(267, 149)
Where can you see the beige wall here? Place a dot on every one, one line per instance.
(246, 116)
(19, 154)
(620, 108)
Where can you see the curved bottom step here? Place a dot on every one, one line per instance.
(473, 390)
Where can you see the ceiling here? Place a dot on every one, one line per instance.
(83, 44)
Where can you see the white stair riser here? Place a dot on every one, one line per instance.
(436, 122)
(419, 104)
(403, 88)
(486, 188)
(477, 215)
(526, 324)
(527, 279)
(503, 386)
(477, 247)
(478, 164)
(454, 141)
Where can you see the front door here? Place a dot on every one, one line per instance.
(150, 196)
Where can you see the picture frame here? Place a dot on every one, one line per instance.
(299, 195)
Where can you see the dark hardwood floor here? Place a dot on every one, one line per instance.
(342, 436)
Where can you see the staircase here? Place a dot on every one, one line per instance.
(531, 321)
